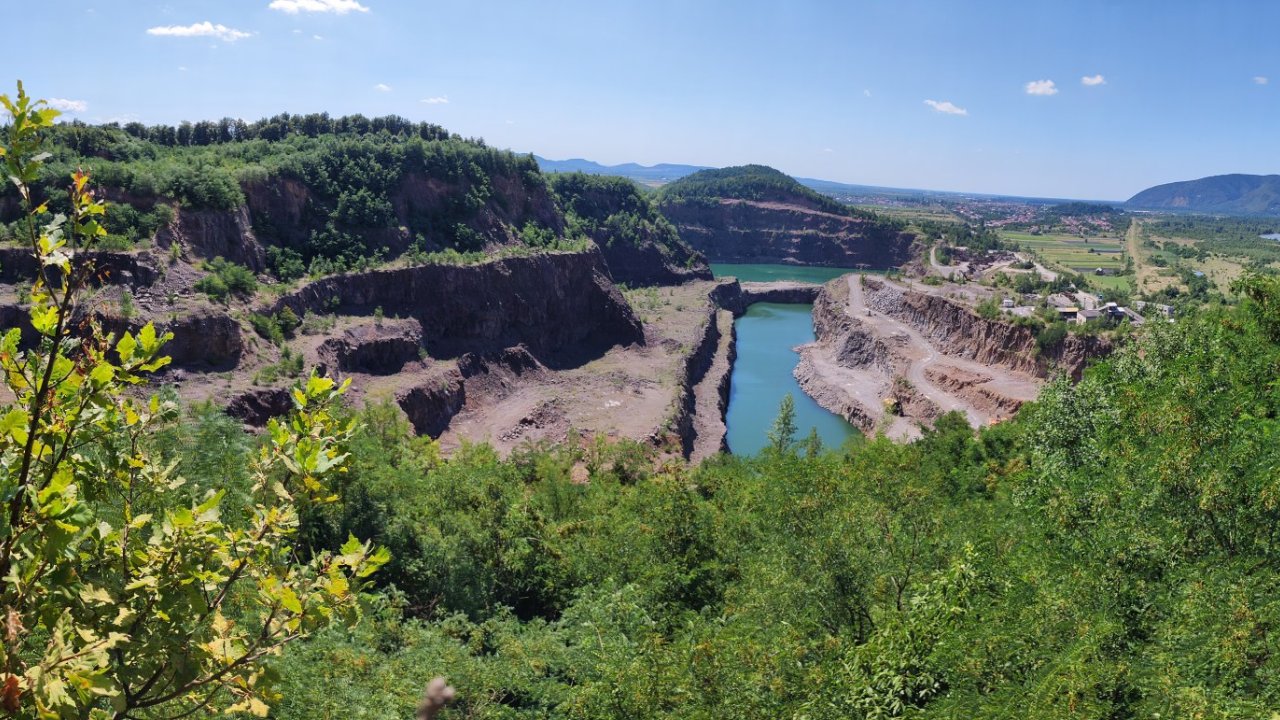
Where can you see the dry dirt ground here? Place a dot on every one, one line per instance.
(630, 392)
(922, 376)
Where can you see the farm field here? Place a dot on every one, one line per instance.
(1070, 251)
(1078, 255)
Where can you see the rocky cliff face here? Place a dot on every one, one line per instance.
(961, 332)
(747, 231)
(18, 265)
(563, 306)
(286, 211)
(216, 233)
(736, 296)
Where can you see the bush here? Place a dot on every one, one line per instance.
(225, 279)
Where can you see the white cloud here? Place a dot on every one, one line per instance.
(339, 7)
(1041, 87)
(72, 106)
(437, 100)
(182, 68)
(1261, 79)
(827, 150)
(946, 107)
(317, 37)
(867, 93)
(202, 29)
(297, 32)
(382, 87)
(1093, 80)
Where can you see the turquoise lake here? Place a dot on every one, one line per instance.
(762, 377)
(769, 273)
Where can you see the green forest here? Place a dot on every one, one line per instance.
(751, 182)
(1110, 552)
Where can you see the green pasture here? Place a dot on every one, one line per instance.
(1071, 251)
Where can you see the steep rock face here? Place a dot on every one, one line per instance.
(216, 233)
(736, 297)
(431, 405)
(378, 349)
(563, 306)
(287, 211)
(256, 407)
(204, 338)
(648, 264)
(109, 268)
(746, 231)
(640, 246)
(961, 332)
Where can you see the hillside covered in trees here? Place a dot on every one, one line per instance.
(754, 213)
(1223, 194)
(640, 245)
(298, 194)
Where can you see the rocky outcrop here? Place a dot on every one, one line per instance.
(216, 233)
(381, 348)
(431, 405)
(561, 306)
(745, 231)
(204, 339)
(18, 265)
(736, 297)
(651, 264)
(286, 211)
(696, 365)
(960, 332)
(256, 407)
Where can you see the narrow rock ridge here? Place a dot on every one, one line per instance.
(684, 425)
(711, 396)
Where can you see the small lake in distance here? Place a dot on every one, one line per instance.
(1268, 236)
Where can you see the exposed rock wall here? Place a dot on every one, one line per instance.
(961, 332)
(737, 297)
(431, 405)
(561, 306)
(647, 264)
(696, 365)
(216, 233)
(18, 265)
(744, 231)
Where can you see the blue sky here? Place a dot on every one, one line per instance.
(836, 90)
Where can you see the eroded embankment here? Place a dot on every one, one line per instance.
(889, 359)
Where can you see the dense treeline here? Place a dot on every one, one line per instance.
(978, 238)
(1111, 552)
(625, 223)
(355, 174)
(751, 182)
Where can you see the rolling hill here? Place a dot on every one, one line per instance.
(1226, 194)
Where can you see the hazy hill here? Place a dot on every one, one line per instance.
(659, 174)
(1228, 194)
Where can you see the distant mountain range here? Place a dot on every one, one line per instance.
(659, 174)
(1221, 194)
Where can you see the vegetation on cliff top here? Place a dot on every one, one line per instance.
(622, 220)
(751, 182)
